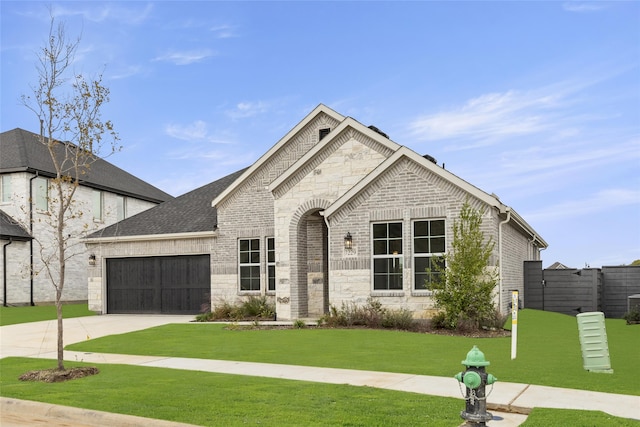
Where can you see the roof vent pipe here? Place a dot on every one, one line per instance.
(376, 130)
(431, 159)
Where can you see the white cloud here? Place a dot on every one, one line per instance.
(602, 200)
(101, 12)
(194, 131)
(186, 57)
(490, 116)
(197, 132)
(248, 109)
(224, 31)
(125, 72)
(582, 7)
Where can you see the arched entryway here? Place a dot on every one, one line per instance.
(310, 262)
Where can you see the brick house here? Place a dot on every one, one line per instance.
(106, 196)
(334, 212)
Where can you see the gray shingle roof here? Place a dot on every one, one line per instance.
(21, 152)
(10, 229)
(192, 212)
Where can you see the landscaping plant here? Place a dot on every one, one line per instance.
(464, 289)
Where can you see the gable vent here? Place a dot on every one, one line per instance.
(323, 132)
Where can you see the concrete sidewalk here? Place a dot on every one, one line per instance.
(509, 402)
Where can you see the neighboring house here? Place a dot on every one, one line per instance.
(557, 266)
(334, 213)
(107, 195)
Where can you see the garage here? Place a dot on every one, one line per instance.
(158, 285)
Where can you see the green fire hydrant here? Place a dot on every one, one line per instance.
(475, 380)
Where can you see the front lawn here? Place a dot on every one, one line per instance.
(548, 350)
(211, 399)
(25, 314)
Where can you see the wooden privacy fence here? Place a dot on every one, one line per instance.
(572, 291)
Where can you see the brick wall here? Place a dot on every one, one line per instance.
(406, 192)
(249, 212)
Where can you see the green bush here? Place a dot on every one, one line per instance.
(370, 315)
(299, 324)
(254, 308)
(398, 319)
(257, 307)
(632, 316)
(464, 290)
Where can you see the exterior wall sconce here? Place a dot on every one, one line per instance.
(92, 259)
(348, 241)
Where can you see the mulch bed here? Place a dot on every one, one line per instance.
(56, 375)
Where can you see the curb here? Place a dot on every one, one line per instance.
(17, 409)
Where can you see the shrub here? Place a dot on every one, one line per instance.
(252, 309)
(632, 316)
(204, 317)
(439, 321)
(257, 307)
(225, 311)
(370, 315)
(299, 324)
(398, 319)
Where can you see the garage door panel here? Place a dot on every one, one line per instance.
(179, 300)
(176, 285)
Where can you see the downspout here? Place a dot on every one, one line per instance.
(500, 286)
(4, 271)
(31, 241)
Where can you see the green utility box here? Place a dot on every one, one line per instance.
(593, 341)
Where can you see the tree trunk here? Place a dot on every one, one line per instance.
(60, 331)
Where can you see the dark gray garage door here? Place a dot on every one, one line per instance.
(168, 285)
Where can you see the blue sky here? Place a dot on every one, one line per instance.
(537, 102)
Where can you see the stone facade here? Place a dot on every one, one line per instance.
(327, 177)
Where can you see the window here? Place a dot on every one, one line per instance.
(387, 256)
(5, 188)
(271, 264)
(41, 187)
(121, 208)
(249, 256)
(428, 247)
(97, 205)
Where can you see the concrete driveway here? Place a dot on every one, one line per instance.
(39, 339)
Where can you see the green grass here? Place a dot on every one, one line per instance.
(229, 400)
(14, 315)
(548, 350)
(544, 417)
(211, 399)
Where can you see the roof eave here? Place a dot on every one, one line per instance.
(151, 237)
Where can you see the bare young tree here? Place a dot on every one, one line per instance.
(68, 106)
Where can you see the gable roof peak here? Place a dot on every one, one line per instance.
(315, 113)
